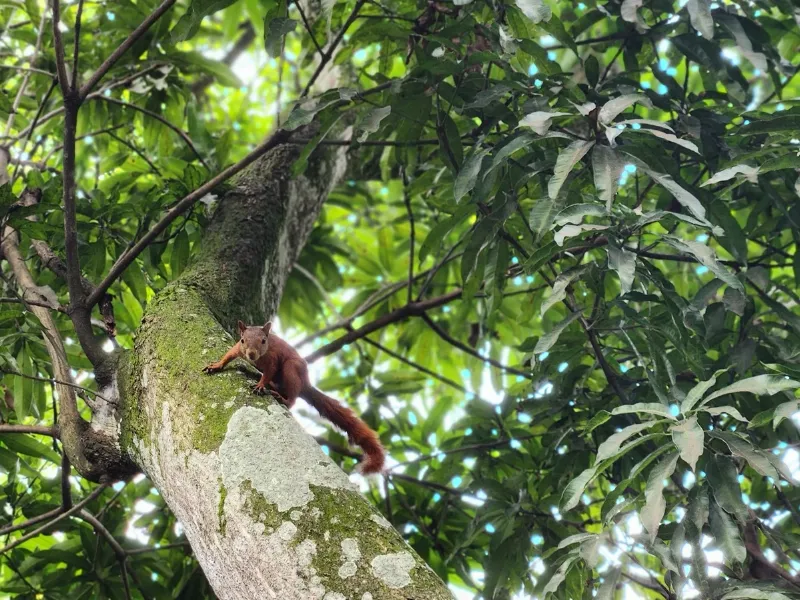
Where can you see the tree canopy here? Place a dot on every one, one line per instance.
(558, 276)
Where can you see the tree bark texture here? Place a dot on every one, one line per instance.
(267, 513)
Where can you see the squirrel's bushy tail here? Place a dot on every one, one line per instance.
(358, 432)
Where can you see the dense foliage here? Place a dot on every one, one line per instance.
(563, 257)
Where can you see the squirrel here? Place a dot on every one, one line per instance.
(285, 373)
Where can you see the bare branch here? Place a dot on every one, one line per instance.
(414, 309)
(63, 515)
(58, 43)
(37, 429)
(32, 521)
(77, 45)
(407, 200)
(123, 48)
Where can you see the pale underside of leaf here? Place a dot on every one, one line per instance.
(624, 263)
(565, 162)
(614, 107)
(700, 17)
(572, 230)
(688, 436)
(607, 166)
(655, 505)
(540, 120)
(750, 173)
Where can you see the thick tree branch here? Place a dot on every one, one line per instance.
(37, 429)
(414, 309)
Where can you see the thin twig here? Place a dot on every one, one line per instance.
(77, 45)
(183, 135)
(123, 48)
(407, 200)
(328, 54)
(471, 351)
(58, 46)
(310, 31)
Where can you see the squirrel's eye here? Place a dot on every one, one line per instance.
(263, 341)
(243, 340)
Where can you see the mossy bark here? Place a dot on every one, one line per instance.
(268, 514)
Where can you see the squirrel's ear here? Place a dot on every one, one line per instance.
(267, 327)
(242, 327)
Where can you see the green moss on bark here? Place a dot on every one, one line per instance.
(335, 515)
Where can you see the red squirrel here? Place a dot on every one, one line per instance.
(285, 372)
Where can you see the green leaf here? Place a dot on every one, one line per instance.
(574, 214)
(592, 69)
(700, 17)
(624, 263)
(760, 385)
(559, 291)
(748, 172)
(755, 457)
(697, 392)
(597, 420)
(372, 121)
(180, 253)
(547, 340)
(305, 113)
(275, 29)
(729, 410)
(443, 228)
(653, 510)
(785, 411)
(688, 437)
(726, 534)
(707, 257)
(614, 107)
(221, 72)
(722, 476)
(189, 24)
(468, 175)
(612, 445)
(651, 408)
(749, 593)
(566, 161)
(607, 166)
(536, 10)
(783, 123)
(574, 490)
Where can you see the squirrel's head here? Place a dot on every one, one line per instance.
(254, 340)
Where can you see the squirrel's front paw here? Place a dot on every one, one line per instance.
(212, 368)
(260, 389)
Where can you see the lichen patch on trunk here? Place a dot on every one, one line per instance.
(294, 463)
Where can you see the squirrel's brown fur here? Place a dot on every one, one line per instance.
(285, 372)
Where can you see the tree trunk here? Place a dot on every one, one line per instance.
(267, 513)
